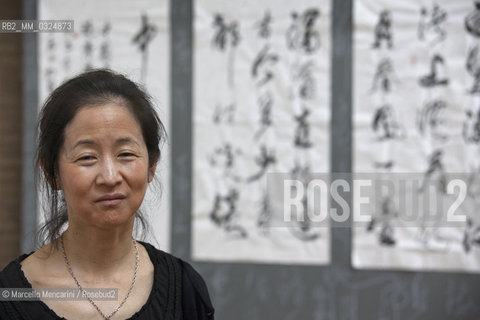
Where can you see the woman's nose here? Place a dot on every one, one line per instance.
(109, 173)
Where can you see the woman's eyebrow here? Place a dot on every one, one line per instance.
(126, 140)
(82, 142)
(118, 141)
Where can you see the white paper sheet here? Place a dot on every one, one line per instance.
(261, 104)
(416, 108)
(129, 37)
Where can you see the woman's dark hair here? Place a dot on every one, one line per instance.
(93, 88)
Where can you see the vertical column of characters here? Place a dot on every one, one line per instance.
(303, 42)
(224, 211)
(263, 78)
(431, 115)
(471, 128)
(385, 125)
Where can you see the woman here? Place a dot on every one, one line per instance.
(98, 149)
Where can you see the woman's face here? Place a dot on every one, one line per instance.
(103, 166)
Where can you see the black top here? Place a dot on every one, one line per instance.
(178, 292)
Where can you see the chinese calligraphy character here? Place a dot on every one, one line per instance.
(388, 214)
(433, 22)
(383, 76)
(143, 38)
(471, 236)
(265, 215)
(264, 160)
(261, 62)
(302, 132)
(472, 21)
(383, 30)
(226, 36)
(224, 213)
(429, 119)
(224, 114)
(471, 127)
(304, 75)
(385, 124)
(433, 79)
(473, 68)
(264, 26)
(301, 34)
(435, 172)
(303, 228)
(265, 102)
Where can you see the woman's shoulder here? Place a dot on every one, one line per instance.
(13, 277)
(196, 303)
(10, 276)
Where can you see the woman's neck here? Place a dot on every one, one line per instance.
(98, 251)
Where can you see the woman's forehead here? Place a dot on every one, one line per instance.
(110, 119)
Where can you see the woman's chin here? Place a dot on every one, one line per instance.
(109, 220)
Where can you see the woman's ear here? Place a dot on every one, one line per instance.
(151, 172)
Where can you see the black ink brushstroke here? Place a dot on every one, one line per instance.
(472, 21)
(431, 79)
(301, 35)
(383, 30)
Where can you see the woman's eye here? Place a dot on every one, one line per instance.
(126, 155)
(86, 158)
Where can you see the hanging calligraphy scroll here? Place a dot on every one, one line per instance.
(261, 106)
(128, 37)
(416, 126)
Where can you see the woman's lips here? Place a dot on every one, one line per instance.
(110, 199)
